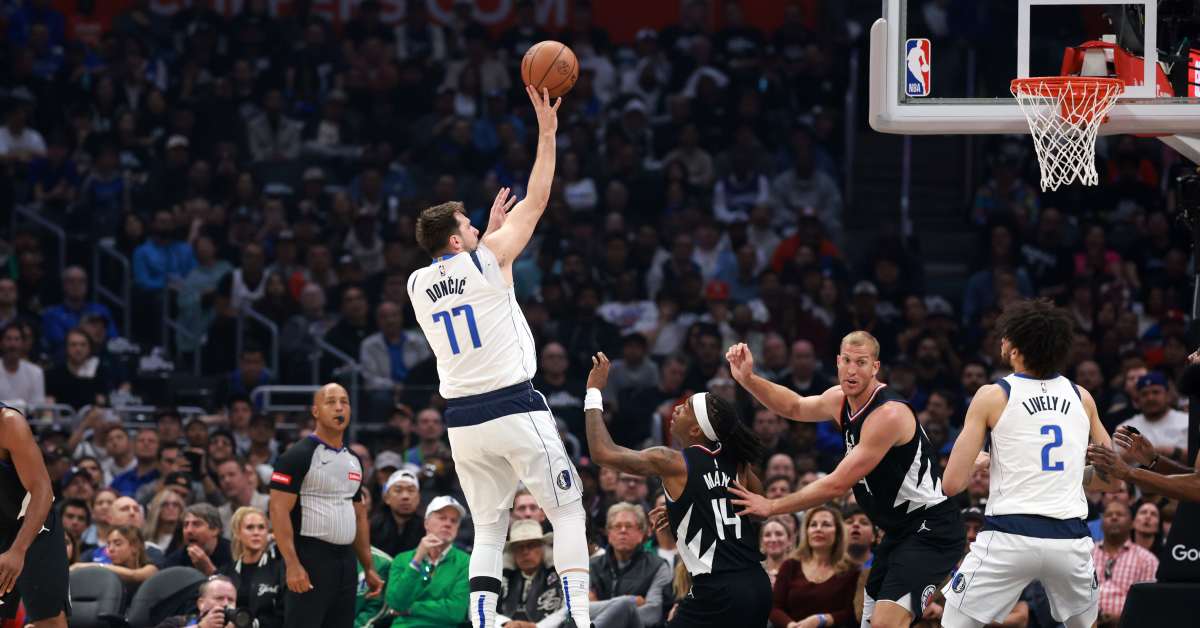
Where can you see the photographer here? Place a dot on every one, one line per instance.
(215, 608)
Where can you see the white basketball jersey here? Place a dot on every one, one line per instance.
(473, 323)
(1039, 447)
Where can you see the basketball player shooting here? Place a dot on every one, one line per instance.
(1041, 424)
(33, 557)
(501, 430)
(889, 464)
(719, 548)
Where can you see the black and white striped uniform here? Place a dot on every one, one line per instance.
(327, 482)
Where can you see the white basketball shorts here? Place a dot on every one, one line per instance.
(502, 439)
(1000, 565)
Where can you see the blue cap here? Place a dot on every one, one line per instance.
(1153, 378)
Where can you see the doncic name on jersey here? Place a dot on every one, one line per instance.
(447, 286)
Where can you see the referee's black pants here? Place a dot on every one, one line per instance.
(330, 603)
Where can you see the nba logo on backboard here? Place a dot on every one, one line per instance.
(916, 79)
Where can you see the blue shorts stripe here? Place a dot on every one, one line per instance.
(1037, 526)
(475, 409)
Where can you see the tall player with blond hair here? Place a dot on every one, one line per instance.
(889, 464)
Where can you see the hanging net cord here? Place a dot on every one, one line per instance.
(1064, 114)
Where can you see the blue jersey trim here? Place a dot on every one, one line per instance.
(1006, 386)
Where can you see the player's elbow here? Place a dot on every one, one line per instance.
(952, 486)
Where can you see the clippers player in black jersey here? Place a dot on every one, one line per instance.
(33, 555)
(719, 548)
(890, 466)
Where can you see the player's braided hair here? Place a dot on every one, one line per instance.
(732, 432)
(1042, 332)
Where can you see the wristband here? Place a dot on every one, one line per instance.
(592, 400)
(821, 623)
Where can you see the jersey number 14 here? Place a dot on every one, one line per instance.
(722, 517)
(446, 318)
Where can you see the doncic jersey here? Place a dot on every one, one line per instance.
(473, 323)
(1039, 446)
(899, 493)
(710, 537)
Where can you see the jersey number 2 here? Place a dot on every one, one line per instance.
(720, 508)
(1056, 432)
(445, 316)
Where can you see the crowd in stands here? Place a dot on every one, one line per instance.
(275, 166)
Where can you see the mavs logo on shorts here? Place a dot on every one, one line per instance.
(564, 480)
(959, 584)
(917, 59)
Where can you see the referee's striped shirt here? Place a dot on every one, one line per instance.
(327, 481)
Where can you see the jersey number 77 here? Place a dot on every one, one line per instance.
(446, 317)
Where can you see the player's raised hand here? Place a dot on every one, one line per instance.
(752, 503)
(598, 377)
(983, 461)
(1135, 448)
(741, 362)
(547, 114)
(1107, 461)
(500, 208)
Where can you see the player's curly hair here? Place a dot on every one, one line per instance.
(1041, 331)
(742, 442)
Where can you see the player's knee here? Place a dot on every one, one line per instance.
(890, 615)
(492, 534)
(566, 513)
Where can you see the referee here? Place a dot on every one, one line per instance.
(318, 515)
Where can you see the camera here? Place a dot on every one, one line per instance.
(239, 617)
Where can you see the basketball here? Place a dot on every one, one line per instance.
(552, 65)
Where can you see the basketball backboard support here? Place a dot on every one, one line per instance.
(968, 92)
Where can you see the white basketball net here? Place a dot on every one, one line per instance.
(1064, 114)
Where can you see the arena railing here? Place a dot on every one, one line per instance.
(246, 311)
(169, 325)
(120, 297)
(31, 213)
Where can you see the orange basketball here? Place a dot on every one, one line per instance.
(552, 65)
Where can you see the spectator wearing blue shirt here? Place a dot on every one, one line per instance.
(145, 450)
(251, 371)
(158, 262)
(36, 12)
(57, 320)
(162, 259)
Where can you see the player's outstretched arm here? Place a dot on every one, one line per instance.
(1136, 448)
(510, 239)
(778, 399)
(31, 469)
(661, 461)
(988, 403)
(1096, 479)
(879, 435)
(1183, 486)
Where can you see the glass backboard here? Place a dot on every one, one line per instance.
(944, 66)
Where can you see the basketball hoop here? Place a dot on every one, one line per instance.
(1064, 114)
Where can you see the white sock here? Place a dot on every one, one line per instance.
(483, 609)
(575, 594)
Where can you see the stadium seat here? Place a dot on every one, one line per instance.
(172, 591)
(95, 595)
